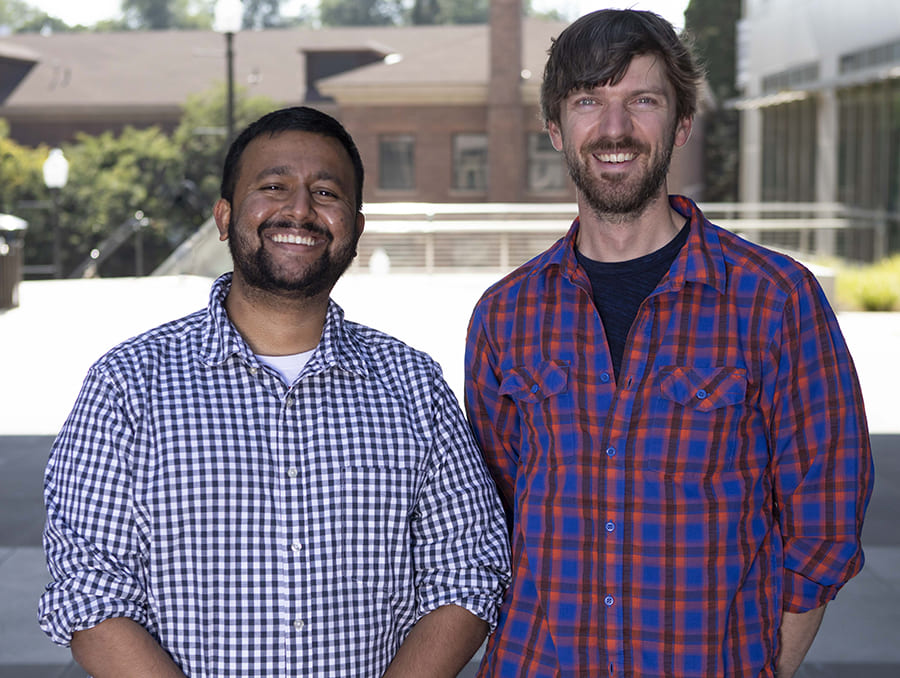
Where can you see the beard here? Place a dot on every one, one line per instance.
(259, 270)
(617, 194)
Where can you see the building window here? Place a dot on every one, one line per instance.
(869, 146)
(470, 162)
(396, 162)
(789, 152)
(546, 167)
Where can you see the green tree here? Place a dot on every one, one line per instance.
(200, 136)
(168, 14)
(173, 180)
(23, 194)
(713, 24)
(20, 17)
(262, 14)
(427, 12)
(110, 178)
(361, 12)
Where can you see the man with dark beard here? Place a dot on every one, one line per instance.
(670, 412)
(264, 488)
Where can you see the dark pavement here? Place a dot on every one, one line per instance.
(860, 637)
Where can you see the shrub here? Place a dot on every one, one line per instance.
(875, 287)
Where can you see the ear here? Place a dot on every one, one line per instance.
(683, 131)
(222, 215)
(360, 223)
(555, 135)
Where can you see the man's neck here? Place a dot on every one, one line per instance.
(613, 237)
(274, 324)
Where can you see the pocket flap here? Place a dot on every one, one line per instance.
(704, 388)
(532, 384)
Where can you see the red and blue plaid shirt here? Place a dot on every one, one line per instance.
(663, 522)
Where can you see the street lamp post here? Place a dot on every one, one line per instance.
(56, 174)
(228, 18)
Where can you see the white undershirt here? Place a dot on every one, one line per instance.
(288, 366)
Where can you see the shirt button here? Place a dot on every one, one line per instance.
(609, 601)
(701, 394)
(292, 472)
(296, 547)
(610, 526)
(253, 371)
(535, 388)
(604, 377)
(610, 451)
(289, 402)
(299, 624)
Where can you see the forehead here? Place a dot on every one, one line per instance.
(644, 72)
(294, 150)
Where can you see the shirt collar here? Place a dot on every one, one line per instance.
(701, 259)
(339, 347)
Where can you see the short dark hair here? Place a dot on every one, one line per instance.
(597, 49)
(295, 118)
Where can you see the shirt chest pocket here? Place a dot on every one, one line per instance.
(534, 384)
(377, 504)
(549, 420)
(701, 410)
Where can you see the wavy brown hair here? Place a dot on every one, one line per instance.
(597, 49)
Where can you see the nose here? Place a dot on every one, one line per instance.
(615, 121)
(299, 205)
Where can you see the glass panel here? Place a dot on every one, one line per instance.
(470, 162)
(546, 166)
(396, 162)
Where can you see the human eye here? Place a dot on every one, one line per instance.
(647, 100)
(271, 186)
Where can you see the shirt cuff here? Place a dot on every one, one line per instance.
(60, 616)
(802, 594)
(485, 607)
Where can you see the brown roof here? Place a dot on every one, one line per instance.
(160, 69)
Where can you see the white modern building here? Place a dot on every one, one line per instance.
(820, 110)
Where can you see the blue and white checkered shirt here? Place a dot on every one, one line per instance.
(259, 529)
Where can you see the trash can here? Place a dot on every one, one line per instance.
(12, 259)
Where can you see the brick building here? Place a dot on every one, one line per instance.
(440, 113)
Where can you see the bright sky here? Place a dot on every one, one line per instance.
(89, 12)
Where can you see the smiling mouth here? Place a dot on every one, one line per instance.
(615, 157)
(293, 239)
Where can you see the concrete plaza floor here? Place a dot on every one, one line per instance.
(60, 327)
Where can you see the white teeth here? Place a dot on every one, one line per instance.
(616, 157)
(293, 239)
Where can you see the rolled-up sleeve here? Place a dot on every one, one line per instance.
(90, 538)
(822, 457)
(493, 417)
(461, 549)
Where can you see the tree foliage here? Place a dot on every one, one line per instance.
(361, 12)
(201, 140)
(173, 179)
(110, 178)
(428, 12)
(18, 16)
(168, 14)
(262, 14)
(713, 26)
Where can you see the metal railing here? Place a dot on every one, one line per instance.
(497, 237)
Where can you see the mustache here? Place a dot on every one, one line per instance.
(309, 226)
(616, 146)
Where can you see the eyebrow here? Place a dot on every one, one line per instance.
(287, 170)
(581, 91)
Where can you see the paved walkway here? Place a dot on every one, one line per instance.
(62, 326)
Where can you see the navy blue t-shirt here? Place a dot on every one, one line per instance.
(620, 288)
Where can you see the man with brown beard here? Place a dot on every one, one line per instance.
(264, 488)
(670, 412)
